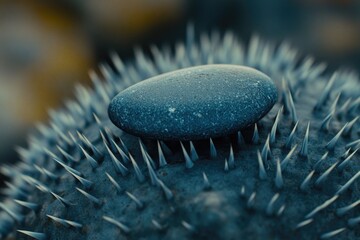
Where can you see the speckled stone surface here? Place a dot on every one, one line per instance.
(194, 103)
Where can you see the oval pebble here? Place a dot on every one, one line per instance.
(194, 103)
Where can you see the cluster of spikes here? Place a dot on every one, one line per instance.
(292, 174)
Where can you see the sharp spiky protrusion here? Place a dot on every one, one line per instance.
(64, 222)
(207, 185)
(332, 143)
(325, 175)
(162, 160)
(304, 223)
(240, 139)
(152, 174)
(291, 137)
(279, 182)
(16, 216)
(262, 171)
(29, 205)
(123, 155)
(348, 183)
(286, 160)
(352, 222)
(251, 201)
(167, 192)
(145, 154)
(326, 92)
(270, 206)
(344, 163)
(114, 183)
(321, 160)
(89, 196)
(322, 206)
(353, 144)
(304, 185)
(255, 137)
(120, 225)
(213, 152)
(139, 204)
(66, 155)
(266, 151)
(333, 233)
(293, 114)
(275, 126)
(193, 154)
(304, 151)
(36, 235)
(231, 160)
(326, 122)
(343, 210)
(349, 126)
(140, 177)
(94, 164)
(226, 165)
(119, 167)
(188, 162)
(61, 200)
(157, 225)
(188, 226)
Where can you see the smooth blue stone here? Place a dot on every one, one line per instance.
(194, 103)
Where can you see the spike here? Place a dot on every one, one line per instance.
(322, 206)
(193, 153)
(343, 210)
(281, 210)
(189, 163)
(213, 152)
(89, 196)
(145, 154)
(152, 174)
(29, 205)
(138, 172)
(66, 155)
(112, 180)
(334, 104)
(304, 147)
(306, 181)
(266, 152)
(255, 138)
(352, 222)
(64, 222)
(262, 171)
(348, 183)
(240, 139)
(36, 235)
(279, 182)
(286, 160)
(325, 175)
(119, 167)
(326, 122)
(168, 193)
(165, 148)
(270, 206)
(292, 108)
(332, 233)
(207, 185)
(231, 158)
(331, 145)
(46, 172)
(354, 144)
(67, 168)
(347, 130)
(304, 223)
(162, 160)
(291, 137)
(345, 162)
(242, 191)
(188, 226)
(16, 216)
(346, 153)
(157, 225)
(317, 164)
(120, 225)
(94, 164)
(62, 200)
(275, 125)
(251, 201)
(86, 183)
(139, 204)
(226, 167)
(326, 92)
(123, 155)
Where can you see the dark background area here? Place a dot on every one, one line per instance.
(46, 48)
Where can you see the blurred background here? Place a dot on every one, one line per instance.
(48, 46)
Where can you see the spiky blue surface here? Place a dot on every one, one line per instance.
(284, 182)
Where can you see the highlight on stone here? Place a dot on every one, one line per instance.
(194, 103)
